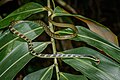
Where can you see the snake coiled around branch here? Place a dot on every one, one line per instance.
(53, 35)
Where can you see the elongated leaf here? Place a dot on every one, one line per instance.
(17, 59)
(93, 25)
(22, 13)
(5, 51)
(107, 69)
(67, 76)
(102, 31)
(20, 54)
(98, 42)
(43, 74)
(95, 40)
(1, 32)
(28, 28)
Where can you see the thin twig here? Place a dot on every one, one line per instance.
(65, 5)
(4, 1)
(53, 44)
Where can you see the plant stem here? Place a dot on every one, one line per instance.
(53, 44)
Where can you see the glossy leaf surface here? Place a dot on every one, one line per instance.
(107, 69)
(67, 76)
(17, 59)
(21, 13)
(43, 74)
(28, 28)
(96, 41)
(15, 51)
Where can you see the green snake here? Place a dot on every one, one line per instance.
(53, 35)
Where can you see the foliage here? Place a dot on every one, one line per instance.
(14, 51)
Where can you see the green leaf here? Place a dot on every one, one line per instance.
(18, 58)
(97, 41)
(93, 25)
(5, 51)
(15, 50)
(107, 69)
(22, 13)
(67, 76)
(43, 74)
(28, 28)
(1, 31)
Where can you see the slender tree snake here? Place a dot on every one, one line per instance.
(51, 34)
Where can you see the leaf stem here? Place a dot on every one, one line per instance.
(53, 44)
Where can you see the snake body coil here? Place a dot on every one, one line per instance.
(53, 35)
(30, 44)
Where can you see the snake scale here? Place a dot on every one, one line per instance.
(53, 35)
